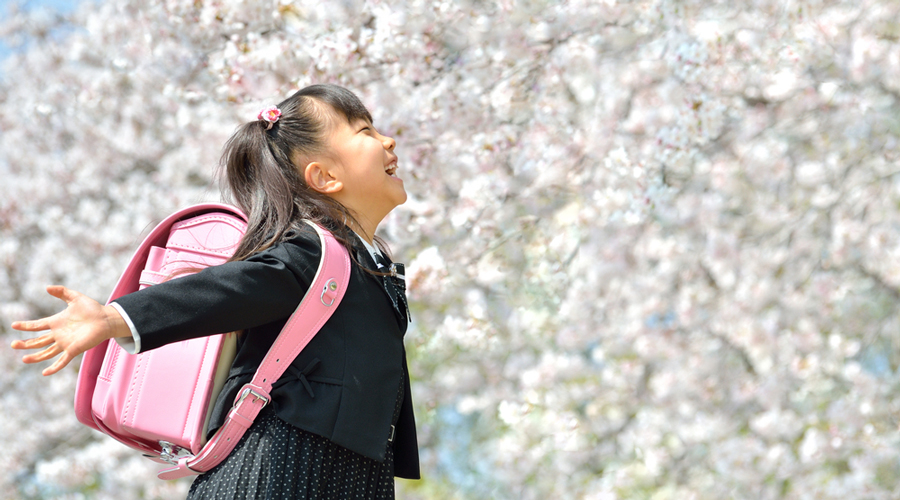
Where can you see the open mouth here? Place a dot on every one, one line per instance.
(391, 169)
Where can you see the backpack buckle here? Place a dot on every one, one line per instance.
(247, 391)
(171, 452)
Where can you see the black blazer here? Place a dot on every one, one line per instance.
(342, 386)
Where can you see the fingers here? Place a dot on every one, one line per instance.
(32, 326)
(58, 365)
(34, 343)
(37, 325)
(62, 293)
(48, 353)
(68, 329)
(44, 355)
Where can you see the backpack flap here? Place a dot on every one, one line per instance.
(127, 396)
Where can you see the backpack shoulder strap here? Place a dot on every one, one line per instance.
(318, 304)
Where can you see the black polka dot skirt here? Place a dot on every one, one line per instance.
(275, 460)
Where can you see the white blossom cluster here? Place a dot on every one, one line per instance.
(653, 246)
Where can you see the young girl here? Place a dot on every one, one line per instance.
(340, 424)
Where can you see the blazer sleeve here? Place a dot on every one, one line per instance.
(264, 288)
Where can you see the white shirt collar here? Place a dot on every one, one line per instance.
(374, 252)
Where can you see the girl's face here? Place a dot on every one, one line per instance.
(366, 165)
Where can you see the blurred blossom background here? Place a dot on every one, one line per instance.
(653, 246)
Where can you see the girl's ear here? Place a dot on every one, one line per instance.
(320, 178)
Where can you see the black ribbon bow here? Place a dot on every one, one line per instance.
(301, 375)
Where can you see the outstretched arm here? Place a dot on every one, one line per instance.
(83, 324)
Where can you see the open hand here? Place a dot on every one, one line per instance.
(83, 324)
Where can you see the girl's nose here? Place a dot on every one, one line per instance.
(388, 142)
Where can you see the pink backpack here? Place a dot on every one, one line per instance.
(159, 402)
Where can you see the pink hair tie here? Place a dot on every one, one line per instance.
(270, 115)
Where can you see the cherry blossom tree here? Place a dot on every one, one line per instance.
(653, 246)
